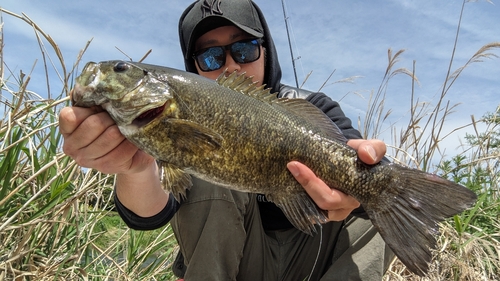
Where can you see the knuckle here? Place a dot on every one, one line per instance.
(304, 182)
(67, 150)
(81, 160)
(67, 121)
(98, 121)
(326, 203)
(66, 113)
(338, 215)
(113, 133)
(93, 121)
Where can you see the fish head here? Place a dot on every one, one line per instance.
(132, 95)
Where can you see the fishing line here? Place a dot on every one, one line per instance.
(298, 57)
(319, 251)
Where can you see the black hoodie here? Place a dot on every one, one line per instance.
(272, 217)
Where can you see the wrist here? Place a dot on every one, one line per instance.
(141, 192)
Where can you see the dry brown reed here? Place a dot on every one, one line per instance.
(54, 215)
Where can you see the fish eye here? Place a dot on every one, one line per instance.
(121, 67)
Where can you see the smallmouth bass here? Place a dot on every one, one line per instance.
(235, 134)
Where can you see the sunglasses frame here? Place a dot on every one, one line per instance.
(225, 49)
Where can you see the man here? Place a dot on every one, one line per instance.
(225, 234)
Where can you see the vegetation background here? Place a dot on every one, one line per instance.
(57, 220)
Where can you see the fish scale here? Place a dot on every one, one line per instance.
(237, 135)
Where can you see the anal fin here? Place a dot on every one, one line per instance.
(301, 211)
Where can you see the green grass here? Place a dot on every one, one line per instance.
(57, 220)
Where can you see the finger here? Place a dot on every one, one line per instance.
(126, 158)
(71, 117)
(306, 177)
(369, 151)
(341, 205)
(101, 144)
(118, 160)
(87, 131)
(339, 214)
(320, 193)
(338, 204)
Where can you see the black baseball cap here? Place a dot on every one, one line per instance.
(205, 15)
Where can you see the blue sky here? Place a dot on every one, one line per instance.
(350, 38)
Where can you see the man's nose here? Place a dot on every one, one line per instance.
(231, 65)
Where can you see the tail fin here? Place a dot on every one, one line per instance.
(408, 212)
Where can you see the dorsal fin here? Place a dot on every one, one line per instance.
(317, 117)
(243, 84)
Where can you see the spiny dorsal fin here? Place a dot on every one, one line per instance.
(243, 84)
(314, 115)
(300, 107)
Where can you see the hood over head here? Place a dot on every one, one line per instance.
(205, 15)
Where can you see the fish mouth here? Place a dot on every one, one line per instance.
(148, 116)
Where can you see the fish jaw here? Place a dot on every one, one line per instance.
(123, 90)
(146, 118)
(84, 94)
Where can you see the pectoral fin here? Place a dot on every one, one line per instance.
(174, 180)
(191, 136)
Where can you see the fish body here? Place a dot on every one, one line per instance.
(241, 136)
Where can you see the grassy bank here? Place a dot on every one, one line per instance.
(56, 219)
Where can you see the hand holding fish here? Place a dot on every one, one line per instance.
(338, 204)
(92, 138)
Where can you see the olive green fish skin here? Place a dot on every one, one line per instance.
(240, 136)
(254, 148)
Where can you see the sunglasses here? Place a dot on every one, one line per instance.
(213, 58)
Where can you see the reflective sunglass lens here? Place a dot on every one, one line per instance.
(211, 59)
(245, 52)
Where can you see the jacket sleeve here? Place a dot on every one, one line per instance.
(326, 104)
(141, 223)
